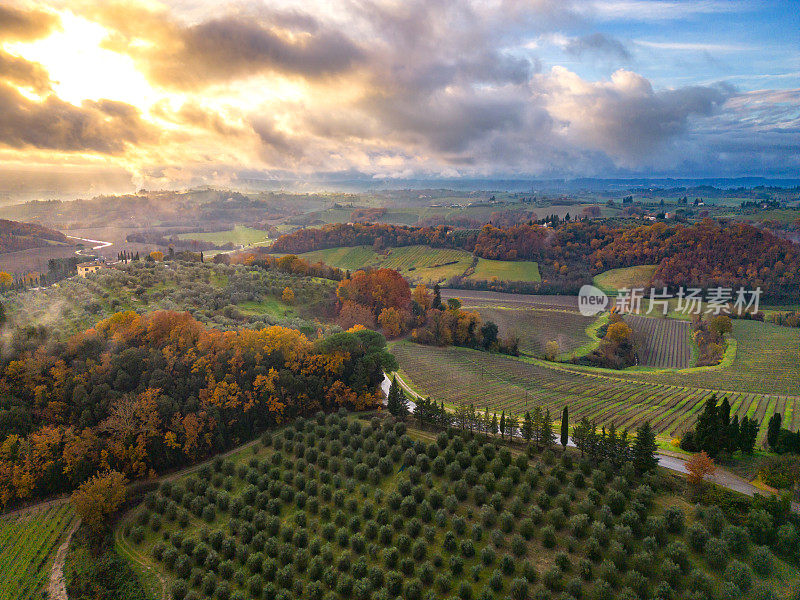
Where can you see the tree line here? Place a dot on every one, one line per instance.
(715, 432)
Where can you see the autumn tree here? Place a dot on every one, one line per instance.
(391, 321)
(288, 296)
(698, 467)
(157, 255)
(551, 350)
(98, 498)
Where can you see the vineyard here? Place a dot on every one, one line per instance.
(766, 361)
(663, 343)
(537, 326)
(461, 376)
(27, 543)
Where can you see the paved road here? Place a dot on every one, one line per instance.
(722, 477)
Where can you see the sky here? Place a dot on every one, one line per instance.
(190, 92)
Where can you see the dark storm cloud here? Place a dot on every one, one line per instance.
(105, 126)
(24, 73)
(600, 44)
(20, 24)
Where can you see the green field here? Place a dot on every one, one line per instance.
(340, 508)
(27, 545)
(461, 376)
(420, 264)
(628, 277)
(239, 235)
(505, 270)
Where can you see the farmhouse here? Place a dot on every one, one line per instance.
(89, 267)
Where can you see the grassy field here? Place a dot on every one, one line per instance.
(239, 235)
(420, 264)
(27, 545)
(463, 376)
(628, 277)
(340, 508)
(537, 326)
(505, 270)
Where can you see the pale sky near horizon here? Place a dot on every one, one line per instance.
(196, 91)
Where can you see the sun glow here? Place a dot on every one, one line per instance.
(81, 69)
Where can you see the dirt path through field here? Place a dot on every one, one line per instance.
(56, 589)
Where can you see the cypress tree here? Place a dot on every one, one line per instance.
(644, 449)
(565, 427)
(437, 298)
(733, 435)
(774, 430)
(547, 435)
(527, 427)
(502, 424)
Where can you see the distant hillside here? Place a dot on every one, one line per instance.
(15, 236)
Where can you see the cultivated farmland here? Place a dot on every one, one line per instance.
(767, 361)
(27, 544)
(337, 508)
(462, 376)
(240, 235)
(537, 326)
(663, 343)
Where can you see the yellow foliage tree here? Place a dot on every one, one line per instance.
(157, 255)
(5, 279)
(551, 350)
(99, 497)
(288, 295)
(391, 322)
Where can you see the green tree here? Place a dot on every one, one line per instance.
(437, 298)
(565, 427)
(644, 449)
(774, 430)
(512, 424)
(527, 427)
(502, 424)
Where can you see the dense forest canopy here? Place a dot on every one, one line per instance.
(143, 393)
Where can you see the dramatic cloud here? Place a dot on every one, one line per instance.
(105, 127)
(182, 91)
(227, 47)
(23, 73)
(19, 24)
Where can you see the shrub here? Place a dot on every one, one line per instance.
(519, 589)
(518, 546)
(698, 536)
(675, 519)
(548, 537)
(552, 579)
(736, 539)
(739, 574)
(762, 561)
(716, 553)
(178, 589)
